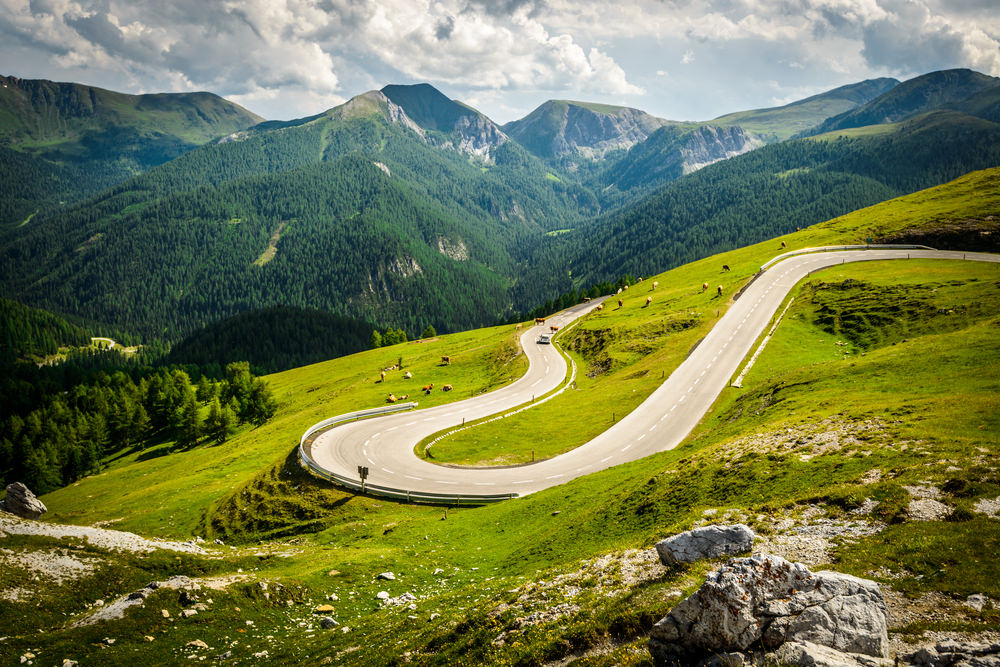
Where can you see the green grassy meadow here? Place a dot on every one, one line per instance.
(911, 396)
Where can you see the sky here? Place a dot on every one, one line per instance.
(677, 59)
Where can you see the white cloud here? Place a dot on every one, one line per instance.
(296, 54)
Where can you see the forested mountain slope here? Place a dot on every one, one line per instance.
(778, 188)
(352, 211)
(89, 138)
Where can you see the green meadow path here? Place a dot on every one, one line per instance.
(386, 444)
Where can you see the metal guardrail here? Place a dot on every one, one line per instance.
(305, 450)
(832, 248)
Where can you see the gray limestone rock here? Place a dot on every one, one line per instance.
(705, 542)
(21, 502)
(766, 601)
(807, 654)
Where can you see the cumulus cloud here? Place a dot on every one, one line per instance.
(283, 57)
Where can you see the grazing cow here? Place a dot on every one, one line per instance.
(600, 306)
(539, 320)
(720, 290)
(553, 328)
(619, 291)
(391, 399)
(625, 287)
(447, 387)
(782, 244)
(383, 377)
(427, 389)
(517, 326)
(407, 375)
(620, 303)
(404, 397)
(656, 283)
(640, 279)
(725, 267)
(704, 286)
(649, 300)
(446, 361)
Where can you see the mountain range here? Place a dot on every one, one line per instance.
(405, 208)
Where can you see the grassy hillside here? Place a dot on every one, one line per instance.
(780, 123)
(819, 431)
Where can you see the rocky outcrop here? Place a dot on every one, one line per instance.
(20, 501)
(560, 127)
(764, 602)
(705, 542)
(709, 144)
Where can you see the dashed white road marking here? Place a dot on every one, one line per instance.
(419, 479)
(625, 448)
(605, 459)
(386, 470)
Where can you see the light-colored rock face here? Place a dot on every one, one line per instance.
(767, 601)
(709, 144)
(20, 501)
(705, 542)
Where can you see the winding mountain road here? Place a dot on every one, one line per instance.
(385, 444)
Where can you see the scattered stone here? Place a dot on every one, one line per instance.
(388, 576)
(165, 613)
(556, 513)
(148, 638)
(927, 509)
(333, 573)
(438, 570)
(770, 601)
(328, 623)
(382, 595)
(434, 615)
(866, 507)
(197, 643)
(956, 654)
(705, 542)
(226, 656)
(69, 663)
(108, 641)
(20, 501)
(989, 507)
(324, 609)
(98, 603)
(333, 597)
(978, 601)
(27, 657)
(261, 654)
(188, 613)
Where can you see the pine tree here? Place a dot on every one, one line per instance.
(429, 332)
(376, 340)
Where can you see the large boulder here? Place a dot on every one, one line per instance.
(763, 602)
(705, 542)
(22, 502)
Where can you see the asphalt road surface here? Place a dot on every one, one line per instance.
(661, 422)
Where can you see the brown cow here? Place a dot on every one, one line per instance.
(704, 286)
(446, 361)
(600, 306)
(725, 267)
(720, 290)
(447, 387)
(391, 399)
(649, 300)
(383, 377)
(620, 303)
(427, 389)
(782, 244)
(656, 283)
(539, 320)
(553, 328)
